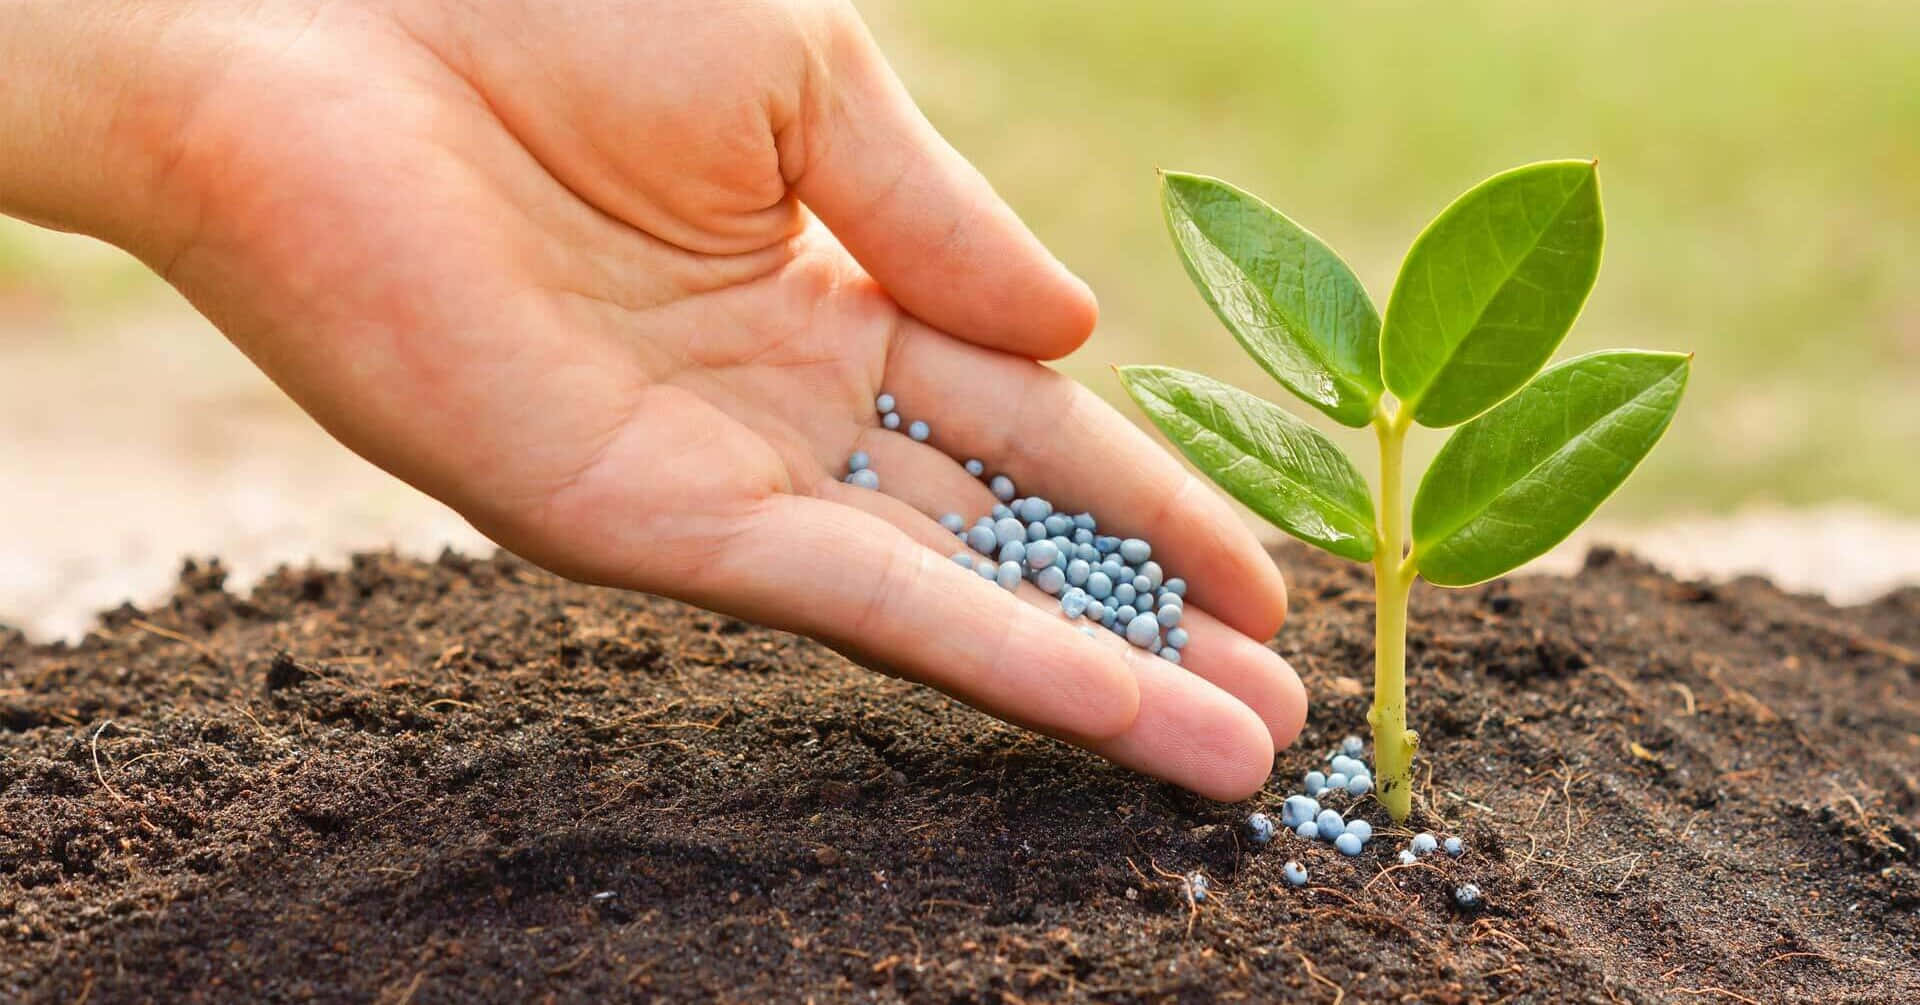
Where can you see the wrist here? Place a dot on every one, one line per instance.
(91, 110)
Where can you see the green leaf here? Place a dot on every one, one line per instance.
(1290, 301)
(1280, 467)
(1516, 481)
(1490, 288)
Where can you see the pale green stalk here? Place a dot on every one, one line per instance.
(1393, 574)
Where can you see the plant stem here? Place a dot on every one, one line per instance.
(1393, 743)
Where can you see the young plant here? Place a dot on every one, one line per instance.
(1486, 294)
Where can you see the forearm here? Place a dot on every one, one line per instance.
(88, 108)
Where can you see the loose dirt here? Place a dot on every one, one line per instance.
(469, 781)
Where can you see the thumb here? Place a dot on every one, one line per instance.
(922, 220)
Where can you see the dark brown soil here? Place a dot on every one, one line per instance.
(469, 781)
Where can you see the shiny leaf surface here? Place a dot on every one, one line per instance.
(1490, 288)
(1290, 301)
(1280, 467)
(1517, 480)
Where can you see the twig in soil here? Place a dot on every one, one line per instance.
(1365, 919)
(1628, 875)
(648, 745)
(1716, 991)
(1319, 890)
(1485, 929)
(390, 809)
(1390, 870)
(406, 993)
(942, 902)
(429, 706)
(1626, 688)
(130, 762)
(1686, 693)
(1533, 857)
(1431, 804)
(570, 964)
(1760, 710)
(1566, 795)
(1274, 795)
(1788, 956)
(1185, 888)
(168, 633)
(97, 773)
(1545, 798)
(622, 794)
(1866, 822)
(637, 716)
(256, 722)
(679, 724)
(708, 726)
(1458, 798)
(1036, 972)
(1186, 892)
(94, 749)
(1339, 993)
(911, 934)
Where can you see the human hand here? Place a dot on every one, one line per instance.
(549, 263)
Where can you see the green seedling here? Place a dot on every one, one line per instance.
(1484, 297)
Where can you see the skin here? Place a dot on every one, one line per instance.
(619, 281)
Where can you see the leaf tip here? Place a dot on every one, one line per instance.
(1174, 178)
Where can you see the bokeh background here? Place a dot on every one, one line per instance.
(1760, 166)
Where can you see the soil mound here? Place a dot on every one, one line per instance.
(470, 781)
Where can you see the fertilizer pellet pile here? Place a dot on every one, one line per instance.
(1108, 581)
(1347, 776)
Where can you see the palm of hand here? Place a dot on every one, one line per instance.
(590, 314)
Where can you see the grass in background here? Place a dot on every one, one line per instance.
(75, 281)
(1760, 164)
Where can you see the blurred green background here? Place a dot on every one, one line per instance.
(1760, 164)
(1759, 161)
